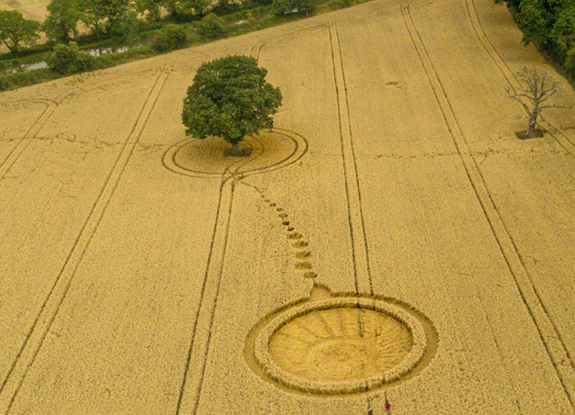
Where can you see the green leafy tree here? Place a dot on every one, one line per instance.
(16, 31)
(186, 10)
(563, 32)
(104, 16)
(129, 27)
(68, 59)
(61, 24)
(151, 9)
(224, 7)
(550, 24)
(570, 60)
(211, 27)
(260, 3)
(282, 7)
(535, 20)
(230, 98)
(170, 37)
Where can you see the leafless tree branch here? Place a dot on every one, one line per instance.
(538, 91)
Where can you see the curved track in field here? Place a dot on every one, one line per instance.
(39, 123)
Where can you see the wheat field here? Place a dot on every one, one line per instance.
(138, 265)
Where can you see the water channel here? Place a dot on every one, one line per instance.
(42, 64)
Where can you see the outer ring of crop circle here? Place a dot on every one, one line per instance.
(300, 149)
(278, 375)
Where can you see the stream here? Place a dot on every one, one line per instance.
(41, 65)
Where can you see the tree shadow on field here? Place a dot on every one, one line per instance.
(522, 135)
(238, 150)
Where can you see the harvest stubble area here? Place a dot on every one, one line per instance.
(135, 273)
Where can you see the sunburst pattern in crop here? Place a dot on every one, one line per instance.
(340, 344)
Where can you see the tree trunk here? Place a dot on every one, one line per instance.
(235, 151)
(532, 122)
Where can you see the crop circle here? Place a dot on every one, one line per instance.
(269, 150)
(340, 345)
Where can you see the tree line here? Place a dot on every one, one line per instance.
(549, 24)
(120, 18)
(105, 18)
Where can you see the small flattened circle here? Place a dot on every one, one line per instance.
(268, 151)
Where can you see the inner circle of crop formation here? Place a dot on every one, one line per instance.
(340, 345)
(266, 151)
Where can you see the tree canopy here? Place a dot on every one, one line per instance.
(550, 24)
(104, 15)
(61, 24)
(230, 98)
(15, 30)
(69, 59)
(211, 27)
(184, 10)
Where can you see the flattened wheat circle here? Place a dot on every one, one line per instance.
(373, 343)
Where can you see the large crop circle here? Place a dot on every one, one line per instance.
(340, 345)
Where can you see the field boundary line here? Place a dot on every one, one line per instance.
(258, 46)
(37, 333)
(32, 132)
(548, 333)
(359, 246)
(561, 138)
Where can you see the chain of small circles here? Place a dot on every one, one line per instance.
(300, 246)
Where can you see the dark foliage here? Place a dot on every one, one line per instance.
(211, 27)
(16, 31)
(170, 37)
(230, 98)
(286, 7)
(550, 24)
(68, 59)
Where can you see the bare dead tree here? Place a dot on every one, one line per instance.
(538, 90)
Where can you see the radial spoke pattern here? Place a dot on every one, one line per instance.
(340, 344)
